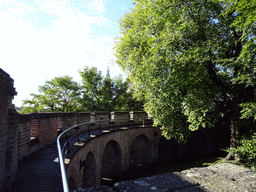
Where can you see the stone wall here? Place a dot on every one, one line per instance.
(128, 147)
(117, 145)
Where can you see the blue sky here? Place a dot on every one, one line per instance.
(43, 39)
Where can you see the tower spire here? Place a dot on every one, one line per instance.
(108, 72)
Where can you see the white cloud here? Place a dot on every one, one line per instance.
(31, 56)
(97, 6)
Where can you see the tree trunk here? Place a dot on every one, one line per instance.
(233, 141)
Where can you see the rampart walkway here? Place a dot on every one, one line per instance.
(40, 172)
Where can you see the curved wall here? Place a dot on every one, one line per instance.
(120, 150)
(112, 152)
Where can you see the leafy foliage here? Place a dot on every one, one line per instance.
(245, 22)
(189, 60)
(247, 150)
(97, 93)
(57, 95)
(101, 93)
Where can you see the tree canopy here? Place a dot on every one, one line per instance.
(101, 93)
(57, 95)
(95, 93)
(192, 61)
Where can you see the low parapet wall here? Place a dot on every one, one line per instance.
(36, 130)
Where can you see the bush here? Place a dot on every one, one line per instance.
(247, 150)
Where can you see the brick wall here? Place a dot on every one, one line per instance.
(36, 130)
(8, 131)
(11, 161)
(24, 147)
(120, 117)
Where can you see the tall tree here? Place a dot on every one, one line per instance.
(185, 58)
(101, 93)
(245, 22)
(91, 89)
(124, 97)
(61, 94)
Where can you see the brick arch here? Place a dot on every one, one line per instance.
(111, 164)
(120, 142)
(72, 183)
(72, 179)
(89, 170)
(140, 151)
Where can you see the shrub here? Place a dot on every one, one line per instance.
(246, 150)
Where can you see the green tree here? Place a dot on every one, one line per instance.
(61, 94)
(91, 89)
(188, 60)
(101, 93)
(124, 98)
(32, 106)
(245, 21)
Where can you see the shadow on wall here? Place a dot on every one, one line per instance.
(140, 152)
(139, 149)
(89, 172)
(72, 183)
(198, 145)
(112, 160)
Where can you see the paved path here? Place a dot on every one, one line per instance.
(39, 172)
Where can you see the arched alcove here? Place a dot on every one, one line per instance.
(196, 145)
(89, 171)
(71, 183)
(141, 151)
(111, 160)
(167, 149)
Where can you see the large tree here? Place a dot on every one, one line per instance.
(101, 93)
(190, 61)
(61, 94)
